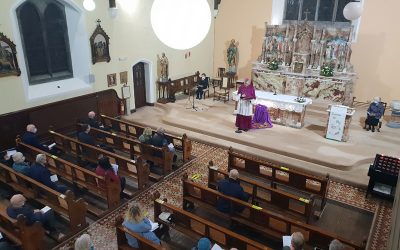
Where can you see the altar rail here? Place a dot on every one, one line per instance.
(282, 175)
(135, 130)
(61, 115)
(167, 90)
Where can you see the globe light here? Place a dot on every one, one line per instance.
(89, 5)
(180, 24)
(352, 11)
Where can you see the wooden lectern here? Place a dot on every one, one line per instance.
(338, 124)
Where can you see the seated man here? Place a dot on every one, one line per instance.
(93, 122)
(40, 173)
(20, 165)
(374, 113)
(203, 84)
(336, 245)
(159, 140)
(6, 159)
(30, 138)
(231, 187)
(17, 206)
(85, 137)
(297, 242)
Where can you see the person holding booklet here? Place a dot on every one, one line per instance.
(45, 216)
(105, 168)
(136, 222)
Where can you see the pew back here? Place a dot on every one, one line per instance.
(134, 169)
(189, 223)
(261, 193)
(98, 185)
(277, 174)
(271, 224)
(132, 129)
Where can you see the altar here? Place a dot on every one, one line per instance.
(283, 109)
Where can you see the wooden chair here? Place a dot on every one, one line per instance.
(221, 89)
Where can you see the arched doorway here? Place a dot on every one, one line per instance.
(139, 84)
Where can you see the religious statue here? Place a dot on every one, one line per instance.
(164, 68)
(232, 57)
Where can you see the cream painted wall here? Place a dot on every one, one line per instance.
(375, 54)
(131, 39)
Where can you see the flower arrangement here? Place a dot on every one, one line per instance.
(272, 65)
(326, 71)
(300, 99)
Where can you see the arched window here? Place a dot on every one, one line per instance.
(44, 36)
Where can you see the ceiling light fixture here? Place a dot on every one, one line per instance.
(89, 5)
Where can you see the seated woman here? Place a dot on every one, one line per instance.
(136, 222)
(106, 169)
(146, 136)
(20, 165)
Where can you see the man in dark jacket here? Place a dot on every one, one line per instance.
(84, 136)
(231, 187)
(17, 206)
(30, 138)
(202, 85)
(40, 173)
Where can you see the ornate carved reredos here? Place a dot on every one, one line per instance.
(8, 57)
(309, 43)
(99, 44)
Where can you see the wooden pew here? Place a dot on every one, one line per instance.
(100, 186)
(29, 237)
(277, 174)
(196, 227)
(143, 243)
(135, 147)
(135, 130)
(65, 204)
(138, 169)
(272, 225)
(261, 193)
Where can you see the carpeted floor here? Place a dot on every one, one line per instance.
(103, 231)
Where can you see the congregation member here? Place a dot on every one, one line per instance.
(202, 85)
(136, 222)
(93, 122)
(105, 168)
(336, 245)
(203, 244)
(6, 159)
(40, 173)
(85, 137)
(18, 206)
(374, 114)
(146, 136)
(30, 138)
(84, 242)
(20, 165)
(159, 140)
(231, 187)
(246, 94)
(296, 243)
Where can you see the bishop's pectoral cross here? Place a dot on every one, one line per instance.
(306, 13)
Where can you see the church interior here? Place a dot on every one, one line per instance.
(199, 124)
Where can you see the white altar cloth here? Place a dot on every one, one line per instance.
(279, 101)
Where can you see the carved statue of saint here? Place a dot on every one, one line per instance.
(232, 56)
(164, 68)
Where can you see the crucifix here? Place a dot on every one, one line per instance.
(98, 22)
(306, 13)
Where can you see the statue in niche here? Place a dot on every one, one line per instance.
(304, 42)
(232, 56)
(164, 68)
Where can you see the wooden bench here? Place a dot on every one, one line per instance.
(197, 227)
(100, 186)
(138, 170)
(261, 193)
(65, 204)
(278, 174)
(272, 225)
(132, 129)
(143, 243)
(29, 237)
(135, 148)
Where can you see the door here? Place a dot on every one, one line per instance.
(139, 85)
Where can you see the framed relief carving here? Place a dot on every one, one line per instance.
(123, 77)
(298, 67)
(112, 80)
(99, 44)
(8, 57)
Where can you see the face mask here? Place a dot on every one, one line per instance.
(35, 130)
(203, 77)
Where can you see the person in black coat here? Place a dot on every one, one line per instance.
(40, 173)
(30, 138)
(203, 84)
(231, 187)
